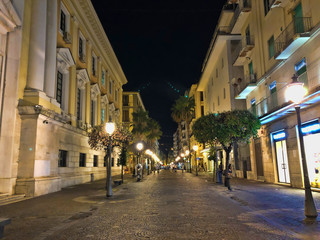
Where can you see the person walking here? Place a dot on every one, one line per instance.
(205, 167)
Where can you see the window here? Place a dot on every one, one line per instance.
(82, 160)
(224, 93)
(301, 71)
(202, 110)
(250, 68)
(267, 6)
(125, 115)
(110, 86)
(105, 161)
(59, 87)
(201, 96)
(94, 65)
(102, 115)
(62, 21)
(103, 78)
(125, 100)
(80, 46)
(271, 47)
(218, 101)
(62, 158)
(79, 104)
(95, 160)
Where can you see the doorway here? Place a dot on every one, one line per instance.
(282, 161)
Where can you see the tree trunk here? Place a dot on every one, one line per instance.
(121, 173)
(226, 171)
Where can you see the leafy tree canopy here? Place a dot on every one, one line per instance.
(99, 138)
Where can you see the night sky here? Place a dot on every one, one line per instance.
(161, 46)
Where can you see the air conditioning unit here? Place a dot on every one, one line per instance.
(67, 37)
(82, 57)
(253, 78)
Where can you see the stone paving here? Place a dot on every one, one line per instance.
(169, 205)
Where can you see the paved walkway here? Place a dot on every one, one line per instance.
(165, 206)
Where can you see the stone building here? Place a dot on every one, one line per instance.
(64, 78)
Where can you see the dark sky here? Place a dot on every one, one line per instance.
(161, 46)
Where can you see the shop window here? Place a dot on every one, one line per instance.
(62, 158)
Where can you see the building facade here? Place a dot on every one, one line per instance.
(276, 39)
(131, 102)
(65, 79)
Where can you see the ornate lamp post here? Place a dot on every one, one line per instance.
(295, 93)
(187, 154)
(110, 127)
(139, 147)
(195, 149)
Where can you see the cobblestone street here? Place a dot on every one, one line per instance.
(165, 206)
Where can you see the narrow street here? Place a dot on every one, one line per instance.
(168, 205)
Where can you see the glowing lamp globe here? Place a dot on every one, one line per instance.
(187, 152)
(195, 148)
(139, 146)
(295, 91)
(110, 127)
(182, 154)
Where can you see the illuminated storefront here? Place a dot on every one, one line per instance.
(280, 145)
(311, 136)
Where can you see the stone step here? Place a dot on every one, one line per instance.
(7, 199)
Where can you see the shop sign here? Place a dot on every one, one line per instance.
(278, 136)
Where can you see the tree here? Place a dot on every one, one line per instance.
(227, 128)
(154, 131)
(183, 110)
(140, 124)
(99, 139)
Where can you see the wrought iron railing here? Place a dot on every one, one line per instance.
(271, 103)
(298, 25)
(244, 4)
(242, 84)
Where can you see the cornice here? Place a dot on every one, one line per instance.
(89, 18)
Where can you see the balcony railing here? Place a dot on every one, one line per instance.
(245, 86)
(243, 6)
(297, 26)
(271, 103)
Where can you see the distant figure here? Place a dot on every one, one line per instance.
(138, 171)
(228, 176)
(205, 167)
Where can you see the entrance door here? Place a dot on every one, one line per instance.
(282, 162)
(257, 145)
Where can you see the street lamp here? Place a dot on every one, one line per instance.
(139, 147)
(110, 127)
(187, 154)
(295, 92)
(195, 149)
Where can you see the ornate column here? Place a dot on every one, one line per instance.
(51, 45)
(37, 50)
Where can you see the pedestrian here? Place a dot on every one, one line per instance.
(220, 173)
(205, 166)
(138, 169)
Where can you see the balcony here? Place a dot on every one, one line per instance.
(279, 3)
(244, 87)
(247, 45)
(293, 37)
(241, 14)
(270, 104)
